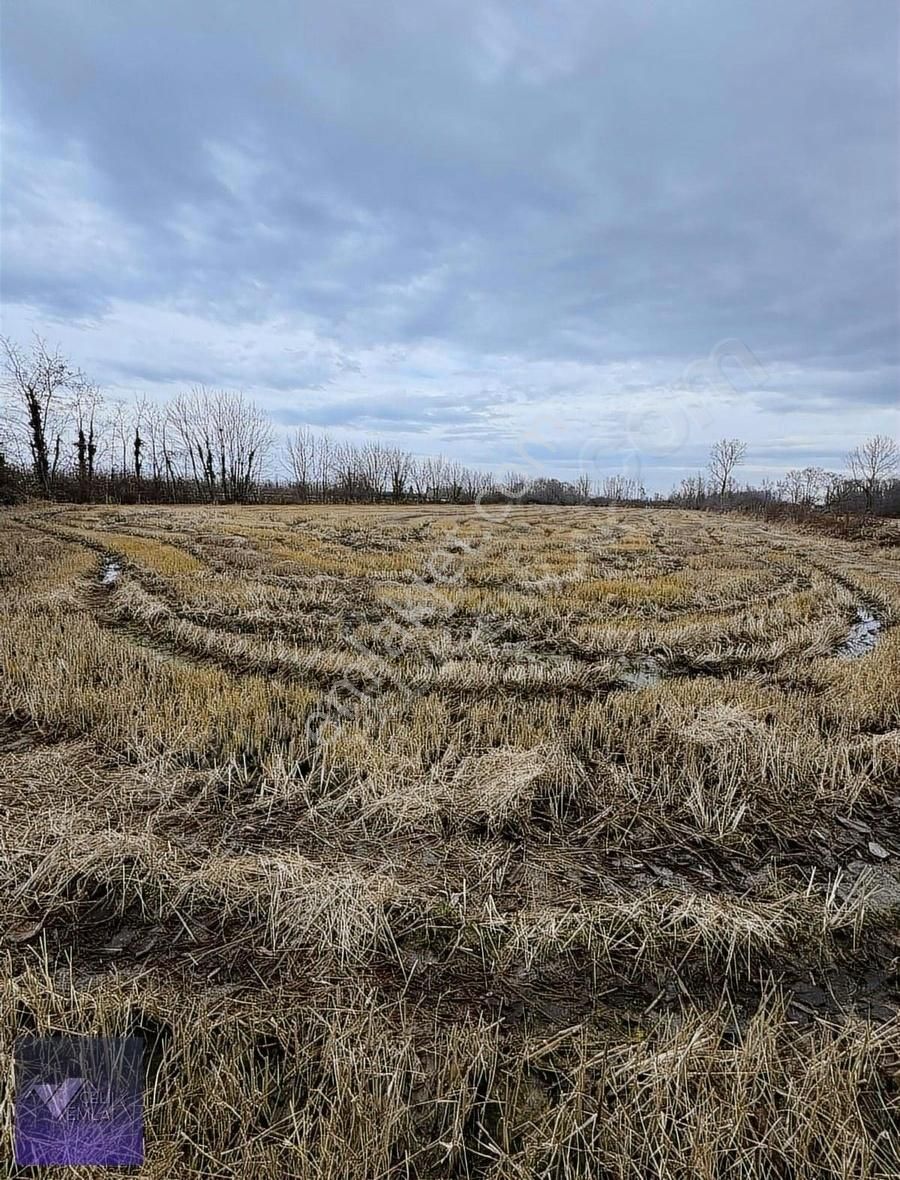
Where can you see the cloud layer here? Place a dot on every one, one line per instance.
(475, 227)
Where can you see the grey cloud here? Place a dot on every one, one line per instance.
(404, 411)
(560, 184)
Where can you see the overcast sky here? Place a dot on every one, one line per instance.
(564, 235)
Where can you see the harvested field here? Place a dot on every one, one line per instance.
(437, 842)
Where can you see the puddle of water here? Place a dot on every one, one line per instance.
(110, 572)
(641, 672)
(644, 671)
(862, 637)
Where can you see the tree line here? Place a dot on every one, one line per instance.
(60, 438)
(869, 486)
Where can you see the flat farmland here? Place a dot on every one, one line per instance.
(453, 842)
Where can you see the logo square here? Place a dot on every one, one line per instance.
(79, 1101)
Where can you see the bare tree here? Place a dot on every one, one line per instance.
(515, 484)
(622, 488)
(153, 416)
(162, 449)
(324, 465)
(872, 464)
(224, 438)
(803, 486)
(138, 443)
(301, 458)
(400, 465)
(433, 471)
(583, 488)
(346, 471)
(454, 478)
(39, 383)
(692, 490)
(374, 462)
(724, 457)
(119, 428)
(244, 438)
(87, 403)
(839, 491)
(478, 483)
(418, 476)
(186, 417)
